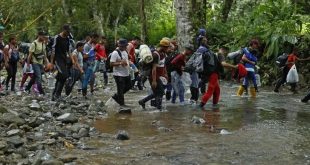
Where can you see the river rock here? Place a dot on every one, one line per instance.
(83, 132)
(52, 162)
(17, 141)
(67, 118)
(68, 158)
(48, 115)
(198, 120)
(3, 110)
(122, 135)
(8, 118)
(77, 126)
(3, 145)
(124, 110)
(35, 122)
(41, 156)
(13, 132)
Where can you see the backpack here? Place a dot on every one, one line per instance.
(236, 56)
(14, 56)
(145, 54)
(211, 64)
(204, 63)
(170, 68)
(281, 60)
(109, 67)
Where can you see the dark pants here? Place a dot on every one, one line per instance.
(61, 78)
(105, 77)
(282, 80)
(123, 85)
(158, 94)
(36, 78)
(75, 75)
(11, 71)
(306, 98)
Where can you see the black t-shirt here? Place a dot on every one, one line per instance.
(61, 46)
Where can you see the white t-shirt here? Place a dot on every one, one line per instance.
(120, 70)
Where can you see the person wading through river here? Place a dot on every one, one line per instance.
(291, 60)
(120, 62)
(61, 58)
(158, 75)
(212, 75)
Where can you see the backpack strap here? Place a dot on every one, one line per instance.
(119, 53)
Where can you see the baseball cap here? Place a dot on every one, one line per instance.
(122, 42)
(164, 42)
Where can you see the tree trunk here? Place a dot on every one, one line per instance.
(143, 22)
(98, 17)
(66, 11)
(198, 13)
(226, 9)
(120, 11)
(183, 23)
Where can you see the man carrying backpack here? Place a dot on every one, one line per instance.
(291, 59)
(61, 58)
(158, 75)
(37, 56)
(211, 70)
(11, 59)
(120, 63)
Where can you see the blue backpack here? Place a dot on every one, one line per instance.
(14, 56)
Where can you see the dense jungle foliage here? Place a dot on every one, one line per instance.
(279, 25)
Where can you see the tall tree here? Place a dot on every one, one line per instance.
(143, 21)
(226, 9)
(184, 24)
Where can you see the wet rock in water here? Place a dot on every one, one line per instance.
(124, 110)
(225, 132)
(52, 162)
(68, 158)
(8, 118)
(122, 135)
(17, 141)
(67, 118)
(198, 120)
(42, 156)
(164, 129)
(3, 110)
(81, 106)
(83, 132)
(13, 132)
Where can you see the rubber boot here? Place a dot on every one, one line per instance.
(240, 90)
(168, 95)
(252, 92)
(246, 92)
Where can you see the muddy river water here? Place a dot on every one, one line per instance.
(270, 129)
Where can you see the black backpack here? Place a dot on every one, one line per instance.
(211, 64)
(108, 63)
(281, 60)
(170, 68)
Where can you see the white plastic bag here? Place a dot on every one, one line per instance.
(292, 76)
(186, 79)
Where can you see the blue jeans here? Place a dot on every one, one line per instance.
(178, 87)
(89, 73)
(250, 76)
